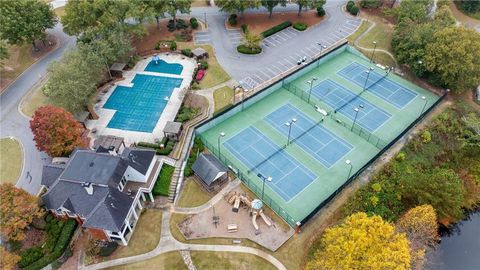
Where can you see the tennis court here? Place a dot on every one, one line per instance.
(378, 84)
(336, 96)
(310, 135)
(262, 156)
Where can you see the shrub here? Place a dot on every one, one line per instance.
(48, 217)
(193, 23)
(401, 156)
(186, 114)
(300, 26)
(350, 4)
(320, 11)
(181, 24)
(162, 184)
(244, 28)
(167, 149)
(107, 250)
(370, 3)
(276, 29)
(187, 52)
(204, 64)
(195, 86)
(198, 147)
(246, 50)
(30, 256)
(173, 46)
(354, 10)
(232, 19)
(426, 136)
(132, 61)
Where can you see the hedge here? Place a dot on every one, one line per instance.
(350, 4)
(198, 147)
(246, 50)
(162, 185)
(168, 146)
(354, 10)
(30, 256)
(187, 52)
(193, 23)
(232, 19)
(276, 29)
(108, 249)
(300, 26)
(60, 247)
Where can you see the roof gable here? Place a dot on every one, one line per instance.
(208, 168)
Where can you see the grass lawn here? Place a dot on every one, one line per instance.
(19, 60)
(363, 27)
(192, 194)
(59, 12)
(166, 261)
(223, 97)
(215, 73)
(204, 260)
(381, 33)
(33, 100)
(10, 160)
(200, 3)
(163, 181)
(145, 237)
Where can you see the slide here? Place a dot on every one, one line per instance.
(254, 221)
(265, 218)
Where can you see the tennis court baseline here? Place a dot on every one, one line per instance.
(315, 139)
(252, 148)
(333, 94)
(384, 88)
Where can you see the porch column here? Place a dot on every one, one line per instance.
(122, 238)
(143, 196)
(140, 205)
(134, 212)
(151, 196)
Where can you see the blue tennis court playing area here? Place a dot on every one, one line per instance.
(313, 138)
(164, 67)
(139, 107)
(336, 96)
(261, 155)
(383, 88)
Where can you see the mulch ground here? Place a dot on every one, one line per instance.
(259, 22)
(33, 237)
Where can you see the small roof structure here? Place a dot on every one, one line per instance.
(208, 168)
(173, 127)
(118, 67)
(199, 52)
(257, 204)
(108, 142)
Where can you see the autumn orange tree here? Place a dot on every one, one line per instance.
(420, 226)
(7, 260)
(17, 210)
(56, 131)
(362, 242)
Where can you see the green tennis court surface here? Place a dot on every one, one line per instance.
(307, 169)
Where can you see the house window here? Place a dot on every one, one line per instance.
(122, 183)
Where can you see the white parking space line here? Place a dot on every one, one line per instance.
(331, 40)
(277, 69)
(257, 79)
(269, 72)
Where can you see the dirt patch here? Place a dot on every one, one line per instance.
(22, 57)
(154, 34)
(201, 225)
(33, 237)
(259, 22)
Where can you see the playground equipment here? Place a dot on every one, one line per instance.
(156, 58)
(255, 207)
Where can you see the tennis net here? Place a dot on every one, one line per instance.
(266, 159)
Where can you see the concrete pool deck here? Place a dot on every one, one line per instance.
(168, 114)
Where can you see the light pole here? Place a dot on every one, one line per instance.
(322, 47)
(311, 85)
(269, 179)
(425, 104)
(243, 97)
(373, 53)
(355, 119)
(289, 125)
(220, 136)
(348, 162)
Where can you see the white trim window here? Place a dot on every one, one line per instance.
(122, 183)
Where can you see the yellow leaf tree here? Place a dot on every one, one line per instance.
(362, 242)
(17, 210)
(7, 260)
(420, 226)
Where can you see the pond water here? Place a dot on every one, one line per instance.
(460, 246)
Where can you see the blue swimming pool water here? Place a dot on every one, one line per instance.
(164, 67)
(139, 107)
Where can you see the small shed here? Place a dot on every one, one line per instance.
(109, 143)
(210, 171)
(172, 130)
(116, 69)
(199, 53)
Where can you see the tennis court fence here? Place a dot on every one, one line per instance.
(247, 179)
(340, 119)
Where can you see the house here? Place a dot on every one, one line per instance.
(102, 190)
(210, 171)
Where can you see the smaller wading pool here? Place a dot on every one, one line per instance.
(161, 66)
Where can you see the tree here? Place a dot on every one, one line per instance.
(444, 17)
(56, 131)
(468, 5)
(251, 40)
(414, 10)
(361, 242)
(309, 4)
(73, 80)
(441, 188)
(17, 210)
(8, 260)
(25, 21)
(370, 3)
(270, 4)
(79, 16)
(3, 51)
(420, 226)
(234, 6)
(174, 6)
(158, 9)
(453, 55)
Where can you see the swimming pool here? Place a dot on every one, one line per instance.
(139, 107)
(164, 67)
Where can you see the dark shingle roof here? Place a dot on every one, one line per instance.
(208, 168)
(51, 173)
(139, 159)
